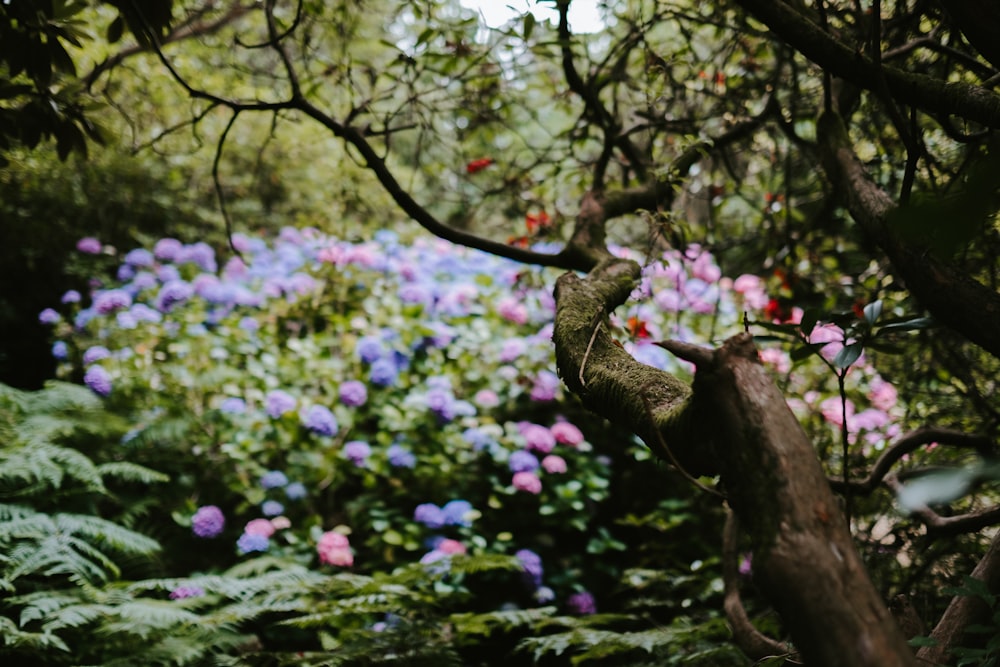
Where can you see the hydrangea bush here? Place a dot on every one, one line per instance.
(369, 405)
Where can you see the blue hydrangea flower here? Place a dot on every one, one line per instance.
(401, 457)
(430, 515)
(71, 296)
(273, 479)
(320, 420)
(250, 542)
(522, 461)
(369, 349)
(458, 513)
(296, 491)
(383, 373)
(271, 508)
(49, 316)
(60, 350)
(99, 380)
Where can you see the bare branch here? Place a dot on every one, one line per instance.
(908, 443)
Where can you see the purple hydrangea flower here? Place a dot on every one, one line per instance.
(49, 316)
(279, 403)
(208, 521)
(200, 254)
(71, 296)
(273, 479)
(538, 437)
(430, 515)
(139, 257)
(295, 491)
(320, 420)
(458, 513)
(173, 293)
(522, 461)
(99, 380)
(89, 245)
(182, 592)
(353, 393)
(401, 457)
(167, 249)
(250, 542)
(111, 300)
(532, 565)
(271, 508)
(143, 313)
(60, 350)
(95, 353)
(357, 451)
(582, 604)
(545, 387)
(125, 272)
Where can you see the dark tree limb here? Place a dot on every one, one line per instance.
(906, 444)
(954, 298)
(942, 526)
(964, 610)
(798, 29)
(751, 641)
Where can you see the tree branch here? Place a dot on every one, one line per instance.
(933, 95)
(952, 297)
(906, 444)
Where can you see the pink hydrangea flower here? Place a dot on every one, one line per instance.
(883, 394)
(538, 438)
(512, 310)
(566, 434)
(527, 481)
(554, 464)
(263, 527)
(334, 549)
(451, 547)
(486, 398)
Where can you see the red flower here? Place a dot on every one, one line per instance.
(777, 311)
(518, 241)
(637, 328)
(478, 165)
(536, 222)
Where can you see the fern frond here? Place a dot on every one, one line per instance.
(126, 471)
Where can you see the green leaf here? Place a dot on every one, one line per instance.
(912, 324)
(872, 311)
(529, 25)
(922, 641)
(809, 319)
(116, 29)
(848, 355)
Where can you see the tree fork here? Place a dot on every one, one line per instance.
(734, 421)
